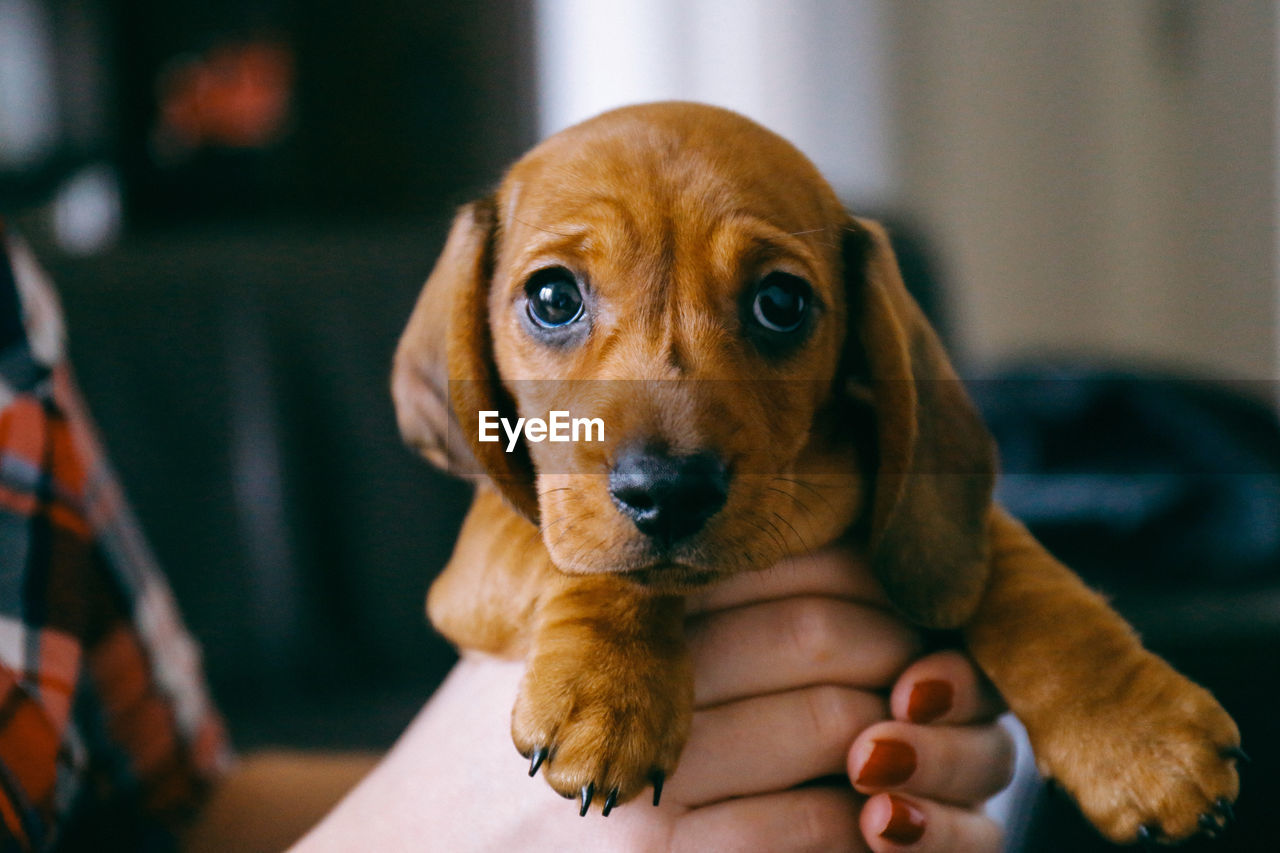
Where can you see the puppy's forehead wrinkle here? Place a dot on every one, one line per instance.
(646, 204)
(636, 350)
(537, 227)
(683, 169)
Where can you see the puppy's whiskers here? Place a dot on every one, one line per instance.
(806, 485)
(572, 526)
(585, 547)
(745, 555)
(547, 528)
(546, 492)
(776, 536)
(804, 546)
(797, 500)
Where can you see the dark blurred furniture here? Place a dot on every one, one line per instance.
(241, 386)
(1163, 492)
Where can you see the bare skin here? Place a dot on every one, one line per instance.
(791, 670)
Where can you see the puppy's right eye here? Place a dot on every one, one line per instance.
(781, 302)
(553, 298)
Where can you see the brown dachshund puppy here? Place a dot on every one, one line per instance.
(765, 385)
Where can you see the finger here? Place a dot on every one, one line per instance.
(892, 823)
(768, 743)
(831, 571)
(796, 642)
(964, 765)
(945, 688)
(808, 819)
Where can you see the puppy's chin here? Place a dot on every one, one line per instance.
(671, 578)
(638, 560)
(665, 569)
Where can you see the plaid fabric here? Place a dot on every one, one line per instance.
(104, 717)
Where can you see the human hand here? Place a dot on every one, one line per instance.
(814, 642)
(791, 666)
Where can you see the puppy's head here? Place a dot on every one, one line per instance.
(761, 377)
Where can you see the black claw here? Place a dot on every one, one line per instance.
(539, 755)
(588, 792)
(657, 777)
(1147, 835)
(610, 801)
(1209, 825)
(1223, 806)
(1238, 754)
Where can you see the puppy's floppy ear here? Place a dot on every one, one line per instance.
(936, 460)
(444, 374)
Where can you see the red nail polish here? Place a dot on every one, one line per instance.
(929, 700)
(890, 763)
(906, 822)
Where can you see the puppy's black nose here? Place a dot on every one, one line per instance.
(668, 497)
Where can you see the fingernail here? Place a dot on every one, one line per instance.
(890, 763)
(906, 822)
(929, 700)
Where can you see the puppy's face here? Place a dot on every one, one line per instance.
(686, 278)
(681, 281)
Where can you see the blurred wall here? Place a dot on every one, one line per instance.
(1100, 176)
(813, 70)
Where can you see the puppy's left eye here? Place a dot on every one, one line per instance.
(553, 298)
(781, 302)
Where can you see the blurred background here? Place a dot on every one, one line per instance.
(239, 201)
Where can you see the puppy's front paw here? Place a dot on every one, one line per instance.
(603, 722)
(1154, 761)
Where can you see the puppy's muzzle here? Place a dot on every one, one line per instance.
(667, 497)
